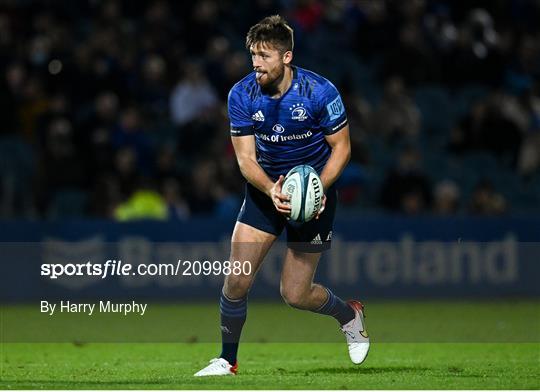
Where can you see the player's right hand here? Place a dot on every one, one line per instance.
(281, 201)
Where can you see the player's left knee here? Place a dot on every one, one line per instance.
(294, 297)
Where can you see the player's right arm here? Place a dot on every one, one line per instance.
(244, 147)
(243, 141)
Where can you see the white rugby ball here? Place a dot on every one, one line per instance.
(303, 185)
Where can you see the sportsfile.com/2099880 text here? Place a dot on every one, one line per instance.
(120, 268)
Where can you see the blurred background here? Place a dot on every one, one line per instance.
(115, 111)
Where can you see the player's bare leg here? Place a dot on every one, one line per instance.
(298, 290)
(296, 286)
(248, 245)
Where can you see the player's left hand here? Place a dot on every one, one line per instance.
(323, 205)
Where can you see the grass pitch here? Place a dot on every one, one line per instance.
(271, 366)
(500, 362)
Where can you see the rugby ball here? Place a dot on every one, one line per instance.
(303, 185)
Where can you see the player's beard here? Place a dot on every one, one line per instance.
(270, 81)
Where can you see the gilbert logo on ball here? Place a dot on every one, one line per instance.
(303, 185)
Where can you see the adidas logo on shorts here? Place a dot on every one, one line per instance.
(317, 240)
(259, 116)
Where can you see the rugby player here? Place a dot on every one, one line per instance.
(282, 116)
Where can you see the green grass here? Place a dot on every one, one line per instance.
(271, 366)
(388, 322)
(495, 346)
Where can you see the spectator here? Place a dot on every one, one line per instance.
(406, 188)
(529, 154)
(125, 171)
(205, 188)
(129, 133)
(202, 25)
(144, 204)
(486, 201)
(446, 198)
(95, 134)
(411, 59)
(397, 116)
(488, 127)
(178, 208)
(153, 90)
(476, 56)
(373, 25)
(166, 165)
(192, 97)
(360, 117)
(11, 96)
(60, 165)
(106, 196)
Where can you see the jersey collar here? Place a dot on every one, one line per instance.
(295, 72)
(294, 77)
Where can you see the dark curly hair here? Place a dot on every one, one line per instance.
(272, 30)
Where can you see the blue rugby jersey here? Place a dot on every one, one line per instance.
(289, 130)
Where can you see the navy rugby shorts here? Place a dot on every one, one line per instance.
(312, 237)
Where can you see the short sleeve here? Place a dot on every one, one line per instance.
(239, 113)
(332, 116)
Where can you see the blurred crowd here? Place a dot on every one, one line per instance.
(117, 109)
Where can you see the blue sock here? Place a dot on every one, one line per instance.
(335, 307)
(233, 316)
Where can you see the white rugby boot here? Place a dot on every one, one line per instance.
(356, 334)
(218, 367)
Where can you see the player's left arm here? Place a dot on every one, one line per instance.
(333, 121)
(340, 143)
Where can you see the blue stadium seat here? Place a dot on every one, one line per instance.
(464, 98)
(227, 208)
(163, 133)
(435, 106)
(435, 165)
(381, 155)
(483, 163)
(15, 156)
(68, 203)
